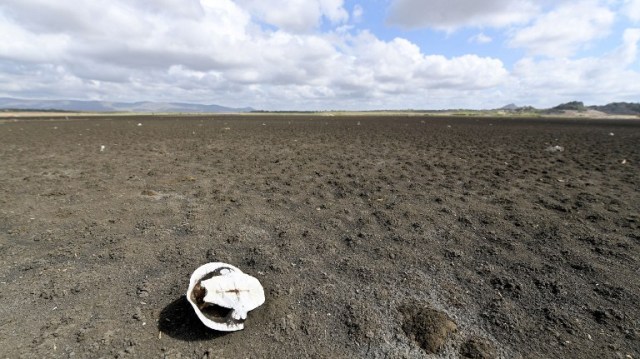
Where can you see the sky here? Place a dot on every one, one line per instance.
(323, 54)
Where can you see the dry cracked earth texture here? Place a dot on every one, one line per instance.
(373, 236)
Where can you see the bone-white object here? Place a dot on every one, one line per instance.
(222, 295)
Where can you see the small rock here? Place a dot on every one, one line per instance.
(555, 149)
(142, 291)
(138, 314)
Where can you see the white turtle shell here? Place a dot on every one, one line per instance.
(222, 295)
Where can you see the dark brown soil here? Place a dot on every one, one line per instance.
(344, 220)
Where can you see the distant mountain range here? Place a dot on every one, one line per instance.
(105, 106)
(6, 104)
(614, 108)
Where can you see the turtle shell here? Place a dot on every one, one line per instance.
(222, 295)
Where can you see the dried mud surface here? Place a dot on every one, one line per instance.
(344, 220)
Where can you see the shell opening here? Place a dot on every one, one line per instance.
(213, 312)
(222, 295)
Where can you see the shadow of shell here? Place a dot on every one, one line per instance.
(179, 321)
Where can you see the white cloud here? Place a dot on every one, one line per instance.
(242, 53)
(451, 14)
(628, 52)
(357, 12)
(215, 51)
(563, 31)
(480, 38)
(296, 15)
(17, 43)
(598, 80)
(399, 66)
(632, 9)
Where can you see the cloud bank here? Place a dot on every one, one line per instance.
(452, 14)
(312, 54)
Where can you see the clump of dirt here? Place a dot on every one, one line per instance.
(148, 192)
(478, 348)
(429, 327)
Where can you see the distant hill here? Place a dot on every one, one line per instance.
(619, 108)
(522, 110)
(509, 107)
(105, 106)
(614, 108)
(570, 106)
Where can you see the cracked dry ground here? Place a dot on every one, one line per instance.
(364, 231)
